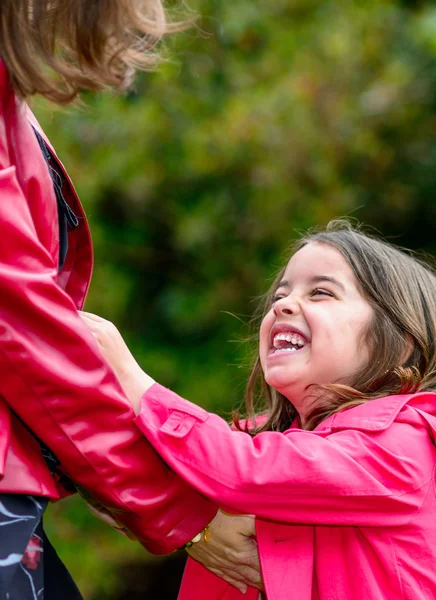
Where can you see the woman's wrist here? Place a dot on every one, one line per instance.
(203, 535)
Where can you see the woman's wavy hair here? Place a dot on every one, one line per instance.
(57, 47)
(401, 289)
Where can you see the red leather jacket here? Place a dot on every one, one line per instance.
(52, 374)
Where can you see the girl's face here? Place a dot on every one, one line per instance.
(312, 334)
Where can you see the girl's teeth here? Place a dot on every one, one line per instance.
(289, 338)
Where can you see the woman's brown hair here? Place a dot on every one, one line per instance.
(57, 47)
(401, 289)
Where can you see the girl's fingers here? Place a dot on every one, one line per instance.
(110, 520)
(90, 324)
(104, 516)
(91, 316)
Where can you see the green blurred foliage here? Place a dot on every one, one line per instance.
(265, 119)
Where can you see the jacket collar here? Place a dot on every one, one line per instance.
(76, 273)
(379, 414)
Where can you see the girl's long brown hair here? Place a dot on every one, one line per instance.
(57, 47)
(401, 288)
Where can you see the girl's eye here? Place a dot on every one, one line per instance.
(320, 292)
(276, 298)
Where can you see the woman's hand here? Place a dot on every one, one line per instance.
(114, 349)
(232, 552)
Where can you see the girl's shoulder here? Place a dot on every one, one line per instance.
(381, 413)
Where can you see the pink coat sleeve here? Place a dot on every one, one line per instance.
(54, 378)
(350, 477)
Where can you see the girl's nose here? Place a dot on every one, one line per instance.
(285, 306)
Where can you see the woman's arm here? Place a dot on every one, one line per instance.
(55, 380)
(52, 372)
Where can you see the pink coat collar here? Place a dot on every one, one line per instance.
(379, 414)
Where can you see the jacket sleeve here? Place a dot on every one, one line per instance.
(57, 382)
(349, 477)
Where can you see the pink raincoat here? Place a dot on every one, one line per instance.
(345, 512)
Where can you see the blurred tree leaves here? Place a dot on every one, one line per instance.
(265, 119)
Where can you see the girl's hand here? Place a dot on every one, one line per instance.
(116, 353)
(232, 552)
(108, 518)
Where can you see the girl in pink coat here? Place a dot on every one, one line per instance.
(339, 471)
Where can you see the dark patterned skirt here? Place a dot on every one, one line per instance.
(30, 569)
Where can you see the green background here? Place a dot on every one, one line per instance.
(266, 118)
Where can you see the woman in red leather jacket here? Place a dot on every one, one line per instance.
(61, 408)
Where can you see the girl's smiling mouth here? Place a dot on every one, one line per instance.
(285, 339)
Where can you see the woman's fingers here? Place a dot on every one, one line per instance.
(251, 576)
(240, 576)
(246, 576)
(243, 573)
(242, 587)
(231, 551)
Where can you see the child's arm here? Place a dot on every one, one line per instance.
(346, 477)
(341, 477)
